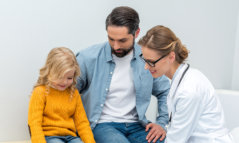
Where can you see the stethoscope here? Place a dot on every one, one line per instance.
(184, 72)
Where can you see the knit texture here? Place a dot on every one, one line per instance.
(56, 114)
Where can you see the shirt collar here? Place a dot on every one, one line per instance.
(176, 73)
(108, 52)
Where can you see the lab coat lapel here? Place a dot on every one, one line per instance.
(172, 92)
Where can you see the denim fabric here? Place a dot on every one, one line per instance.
(63, 139)
(120, 133)
(97, 67)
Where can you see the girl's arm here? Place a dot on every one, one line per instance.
(35, 115)
(81, 122)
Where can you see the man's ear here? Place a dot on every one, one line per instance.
(137, 32)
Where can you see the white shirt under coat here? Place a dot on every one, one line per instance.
(197, 115)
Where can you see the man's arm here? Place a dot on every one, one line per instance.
(81, 80)
(160, 89)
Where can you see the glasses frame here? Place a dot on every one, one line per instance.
(152, 64)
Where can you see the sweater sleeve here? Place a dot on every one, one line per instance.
(82, 123)
(35, 115)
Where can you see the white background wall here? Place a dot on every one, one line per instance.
(29, 29)
(235, 77)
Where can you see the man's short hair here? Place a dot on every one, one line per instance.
(123, 16)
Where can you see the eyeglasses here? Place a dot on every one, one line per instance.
(150, 63)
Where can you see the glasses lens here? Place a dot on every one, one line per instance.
(149, 63)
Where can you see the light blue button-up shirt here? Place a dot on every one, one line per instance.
(97, 68)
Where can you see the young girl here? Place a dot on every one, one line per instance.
(56, 113)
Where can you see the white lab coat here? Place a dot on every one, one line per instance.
(197, 115)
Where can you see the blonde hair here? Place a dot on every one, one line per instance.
(59, 61)
(163, 40)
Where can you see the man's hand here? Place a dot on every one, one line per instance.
(156, 131)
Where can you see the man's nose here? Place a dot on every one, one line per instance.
(116, 45)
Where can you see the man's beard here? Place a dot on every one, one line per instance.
(123, 52)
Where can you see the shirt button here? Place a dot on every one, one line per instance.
(111, 72)
(101, 105)
(106, 89)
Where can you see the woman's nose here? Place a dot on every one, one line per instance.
(146, 66)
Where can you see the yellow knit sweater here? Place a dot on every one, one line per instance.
(56, 114)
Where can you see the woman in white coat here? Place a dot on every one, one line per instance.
(195, 112)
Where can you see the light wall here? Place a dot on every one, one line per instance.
(235, 77)
(29, 29)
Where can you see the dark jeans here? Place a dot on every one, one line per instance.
(120, 133)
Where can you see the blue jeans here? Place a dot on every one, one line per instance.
(62, 139)
(120, 133)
